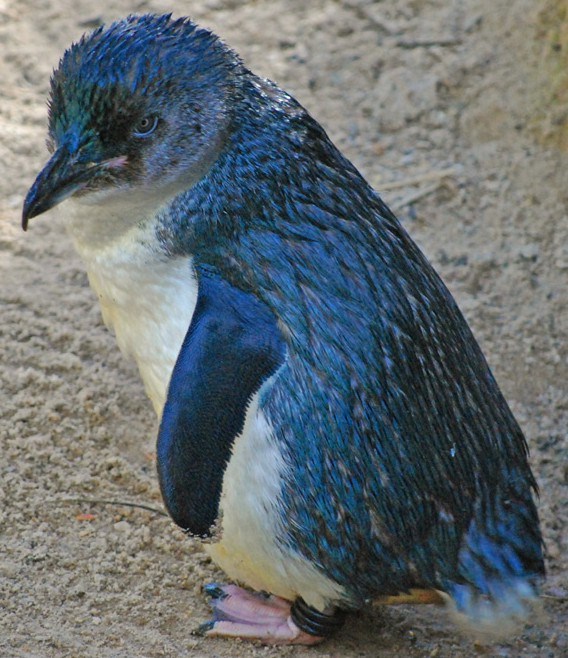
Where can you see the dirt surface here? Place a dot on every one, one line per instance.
(458, 113)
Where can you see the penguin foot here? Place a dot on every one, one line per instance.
(255, 616)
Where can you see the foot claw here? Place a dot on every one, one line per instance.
(215, 591)
(203, 629)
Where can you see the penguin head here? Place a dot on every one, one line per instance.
(142, 107)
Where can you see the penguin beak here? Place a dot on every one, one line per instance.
(65, 174)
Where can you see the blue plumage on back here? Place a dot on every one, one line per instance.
(328, 398)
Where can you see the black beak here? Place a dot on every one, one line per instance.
(65, 174)
(59, 179)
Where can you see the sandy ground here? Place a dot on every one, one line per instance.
(458, 113)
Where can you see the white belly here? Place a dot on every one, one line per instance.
(251, 550)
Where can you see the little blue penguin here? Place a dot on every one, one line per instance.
(328, 423)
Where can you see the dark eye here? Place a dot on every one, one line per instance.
(145, 126)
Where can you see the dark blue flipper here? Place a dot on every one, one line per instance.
(232, 346)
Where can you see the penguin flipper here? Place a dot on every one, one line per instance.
(232, 346)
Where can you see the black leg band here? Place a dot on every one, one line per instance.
(313, 622)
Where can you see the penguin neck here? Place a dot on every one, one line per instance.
(276, 158)
(277, 185)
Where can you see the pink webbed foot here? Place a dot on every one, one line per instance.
(267, 618)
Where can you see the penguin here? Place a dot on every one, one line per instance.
(328, 423)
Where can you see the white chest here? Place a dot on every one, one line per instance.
(148, 303)
(147, 298)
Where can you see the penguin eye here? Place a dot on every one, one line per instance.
(145, 126)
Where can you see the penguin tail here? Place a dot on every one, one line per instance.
(498, 617)
(500, 566)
